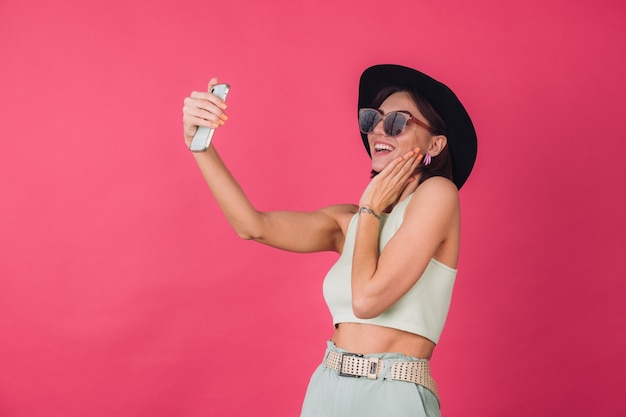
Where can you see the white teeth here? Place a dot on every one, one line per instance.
(382, 147)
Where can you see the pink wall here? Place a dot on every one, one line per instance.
(123, 291)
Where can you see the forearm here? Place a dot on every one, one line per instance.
(370, 289)
(364, 264)
(241, 215)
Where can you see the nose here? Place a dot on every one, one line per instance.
(378, 128)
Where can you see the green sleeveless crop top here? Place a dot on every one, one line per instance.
(422, 310)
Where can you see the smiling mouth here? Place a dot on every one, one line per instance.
(383, 148)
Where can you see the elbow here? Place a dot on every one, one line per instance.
(244, 234)
(363, 308)
(247, 234)
(250, 229)
(247, 231)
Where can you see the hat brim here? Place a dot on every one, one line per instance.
(462, 141)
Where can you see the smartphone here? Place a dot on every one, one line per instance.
(202, 138)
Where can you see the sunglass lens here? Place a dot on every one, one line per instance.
(367, 120)
(395, 123)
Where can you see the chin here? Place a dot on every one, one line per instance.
(380, 162)
(378, 168)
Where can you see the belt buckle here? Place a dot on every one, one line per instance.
(341, 356)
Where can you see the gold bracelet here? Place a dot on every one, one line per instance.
(370, 211)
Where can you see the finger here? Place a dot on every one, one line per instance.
(212, 83)
(415, 164)
(199, 117)
(205, 104)
(193, 118)
(398, 168)
(209, 97)
(414, 158)
(203, 108)
(406, 168)
(403, 164)
(390, 169)
(198, 121)
(190, 131)
(412, 155)
(218, 101)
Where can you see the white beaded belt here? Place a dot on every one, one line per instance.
(355, 365)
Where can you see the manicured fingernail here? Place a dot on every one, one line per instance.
(223, 106)
(221, 122)
(223, 116)
(214, 125)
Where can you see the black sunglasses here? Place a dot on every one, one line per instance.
(394, 122)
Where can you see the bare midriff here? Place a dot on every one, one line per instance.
(369, 338)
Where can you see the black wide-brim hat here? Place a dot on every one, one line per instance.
(460, 131)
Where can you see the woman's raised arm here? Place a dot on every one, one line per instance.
(320, 230)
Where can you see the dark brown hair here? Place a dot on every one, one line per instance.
(441, 165)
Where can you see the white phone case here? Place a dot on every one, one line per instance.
(202, 138)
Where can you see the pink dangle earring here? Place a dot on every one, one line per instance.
(427, 159)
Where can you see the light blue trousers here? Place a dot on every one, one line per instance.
(331, 395)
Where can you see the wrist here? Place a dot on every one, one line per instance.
(369, 211)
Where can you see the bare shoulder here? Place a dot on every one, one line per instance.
(437, 189)
(435, 197)
(432, 219)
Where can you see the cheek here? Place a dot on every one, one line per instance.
(413, 141)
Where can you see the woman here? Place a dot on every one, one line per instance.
(390, 290)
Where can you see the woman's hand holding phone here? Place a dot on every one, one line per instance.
(203, 112)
